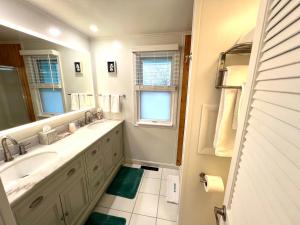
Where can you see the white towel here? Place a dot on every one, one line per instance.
(74, 101)
(228, 111)
(105, 102)
(86, 100)
(115, 103)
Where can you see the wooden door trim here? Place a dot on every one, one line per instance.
(184, 87)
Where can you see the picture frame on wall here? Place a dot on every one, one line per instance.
(112, 67)
(77, 66)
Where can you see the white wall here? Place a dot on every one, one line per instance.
(217, 25)
(20, 15)
(141, 143)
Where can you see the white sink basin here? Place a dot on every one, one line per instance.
(95, 125)
(25, 166)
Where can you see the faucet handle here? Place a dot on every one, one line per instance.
(22, 148)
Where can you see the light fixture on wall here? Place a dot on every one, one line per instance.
(93, 28)
(55, 32)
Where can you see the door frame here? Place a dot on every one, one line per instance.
(183, 100)
(245, 107)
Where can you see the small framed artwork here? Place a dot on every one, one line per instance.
(77, 66)
(112, 66)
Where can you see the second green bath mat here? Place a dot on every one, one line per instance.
(126, 182)
(102, 219)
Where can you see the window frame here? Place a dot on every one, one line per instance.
(36, 87)
(173, 89)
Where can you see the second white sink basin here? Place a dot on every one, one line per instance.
(95, 125)
(25, 166)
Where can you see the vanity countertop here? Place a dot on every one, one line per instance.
(67, 149)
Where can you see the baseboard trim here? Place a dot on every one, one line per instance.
(151, 163)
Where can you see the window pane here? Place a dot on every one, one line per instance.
(155, 105)
(51, 100)
(157, 71)
(48, 75)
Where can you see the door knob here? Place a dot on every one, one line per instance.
(220, 212)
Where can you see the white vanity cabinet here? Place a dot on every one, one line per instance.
(67, 196)
(60, 200)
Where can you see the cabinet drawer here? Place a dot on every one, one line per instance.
(96, 184)
(95, 169)
(72, 171)
(93, 153)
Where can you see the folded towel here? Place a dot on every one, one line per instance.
(74, 101)
(229, 111)
(105, 102)
(115, 103)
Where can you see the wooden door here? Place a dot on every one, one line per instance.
(184, 88)
(10, 56)
(263, 183)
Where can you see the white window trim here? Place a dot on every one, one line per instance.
(35, 90)
(137, 88)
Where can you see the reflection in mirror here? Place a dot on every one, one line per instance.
(40, 79)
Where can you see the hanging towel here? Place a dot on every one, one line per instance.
(228, 111)
(105, 102)
(86, 100)
(115, 103)
(74, 101)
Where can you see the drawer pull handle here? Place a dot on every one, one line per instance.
(95, 168)
(117, 132)
(108, 139)
(115, 154)
(71, 172)
(94, 152)
(97, 184)
(66, 214)
(36, 202)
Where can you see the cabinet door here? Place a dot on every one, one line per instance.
(117, 144)
(51, 216)
(107, 149)
(74, 200)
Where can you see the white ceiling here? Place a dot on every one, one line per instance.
(10, 35)
(121, 17)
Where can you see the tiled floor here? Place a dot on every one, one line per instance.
(149, 207)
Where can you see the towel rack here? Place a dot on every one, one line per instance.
(87, 94)
(243, 48)
(123, 96)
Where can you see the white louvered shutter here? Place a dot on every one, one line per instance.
(264, 179)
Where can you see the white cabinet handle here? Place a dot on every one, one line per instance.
(95, 168)
(71, 172)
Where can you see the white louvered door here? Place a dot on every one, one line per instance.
(264, 179)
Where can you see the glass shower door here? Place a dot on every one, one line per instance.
(13, 111)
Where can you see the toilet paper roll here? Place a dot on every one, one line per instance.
(213, 184)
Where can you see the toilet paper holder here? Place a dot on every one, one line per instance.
(202, 178)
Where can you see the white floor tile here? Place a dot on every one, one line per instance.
(167, 211)
(153, 174)
(132, 165)
(142, 220)
(146, 204)
(116, 202)
(150, 186)
(163, 188)
(165, 222)
(113, 212)
(167, 171)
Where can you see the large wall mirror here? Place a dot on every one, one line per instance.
(40, 79)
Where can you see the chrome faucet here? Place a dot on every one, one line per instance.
(86, 118)
(7, 154)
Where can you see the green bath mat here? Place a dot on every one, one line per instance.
(126, 182)
(102, 219)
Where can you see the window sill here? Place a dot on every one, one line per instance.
(154, 124)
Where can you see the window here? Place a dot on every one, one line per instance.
(45, 82)
(157, 75)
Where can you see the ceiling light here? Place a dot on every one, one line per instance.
(93, 28)
(54, 31)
